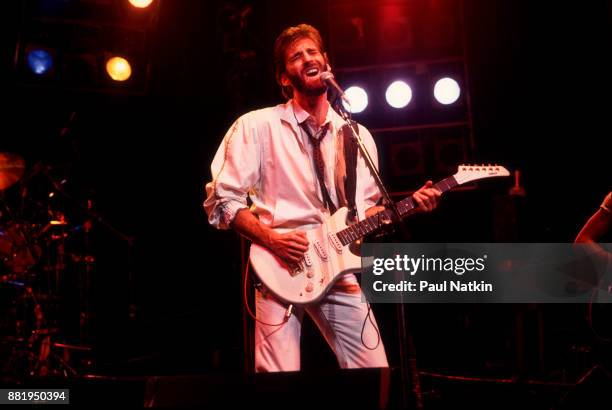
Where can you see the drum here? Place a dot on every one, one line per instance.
(18, 251)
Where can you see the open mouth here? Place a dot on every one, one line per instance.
(312, 71)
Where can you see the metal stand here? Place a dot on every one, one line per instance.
(407, 351)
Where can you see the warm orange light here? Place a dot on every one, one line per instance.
(141, 4)
(118, 68)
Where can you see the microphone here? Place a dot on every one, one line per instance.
(328, 79)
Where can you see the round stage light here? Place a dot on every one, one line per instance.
(358, 98)
(399, 94)
(447, 91)
(141, 4)
(40, 61)
(118, 68)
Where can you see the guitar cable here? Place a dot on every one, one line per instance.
(288, 312)
(369, 318)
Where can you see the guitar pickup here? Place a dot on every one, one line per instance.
(333, 239)
(320, 250)
(307, 259)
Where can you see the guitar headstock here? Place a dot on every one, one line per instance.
(467, 173)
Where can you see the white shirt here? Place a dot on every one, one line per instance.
(267, 156)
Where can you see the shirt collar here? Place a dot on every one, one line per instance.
(302, 115)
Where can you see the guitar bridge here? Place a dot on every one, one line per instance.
(297, 270)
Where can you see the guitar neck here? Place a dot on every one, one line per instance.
(375, 222)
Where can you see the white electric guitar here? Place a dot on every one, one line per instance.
(330, 254)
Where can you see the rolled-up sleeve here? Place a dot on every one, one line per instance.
(235, 171)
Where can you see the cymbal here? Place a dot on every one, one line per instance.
(12, 167)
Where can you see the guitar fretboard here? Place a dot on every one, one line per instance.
(375, 222)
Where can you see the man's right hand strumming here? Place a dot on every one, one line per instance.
(289, 247)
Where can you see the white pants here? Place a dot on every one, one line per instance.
(339, 316)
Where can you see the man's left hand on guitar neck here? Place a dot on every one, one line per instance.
(426, 197)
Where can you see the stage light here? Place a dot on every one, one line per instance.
(118, 68)
(40, 61)
(399, 94)
(358, 98)
(447, 91)
(141, 4)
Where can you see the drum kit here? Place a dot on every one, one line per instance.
(41, 252)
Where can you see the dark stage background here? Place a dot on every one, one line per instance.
(166, 294)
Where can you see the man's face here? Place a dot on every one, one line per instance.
(304, 63)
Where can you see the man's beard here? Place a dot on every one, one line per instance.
(311, 90)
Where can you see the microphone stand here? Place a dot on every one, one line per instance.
(407, 351)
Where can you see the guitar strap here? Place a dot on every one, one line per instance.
(346, 169)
